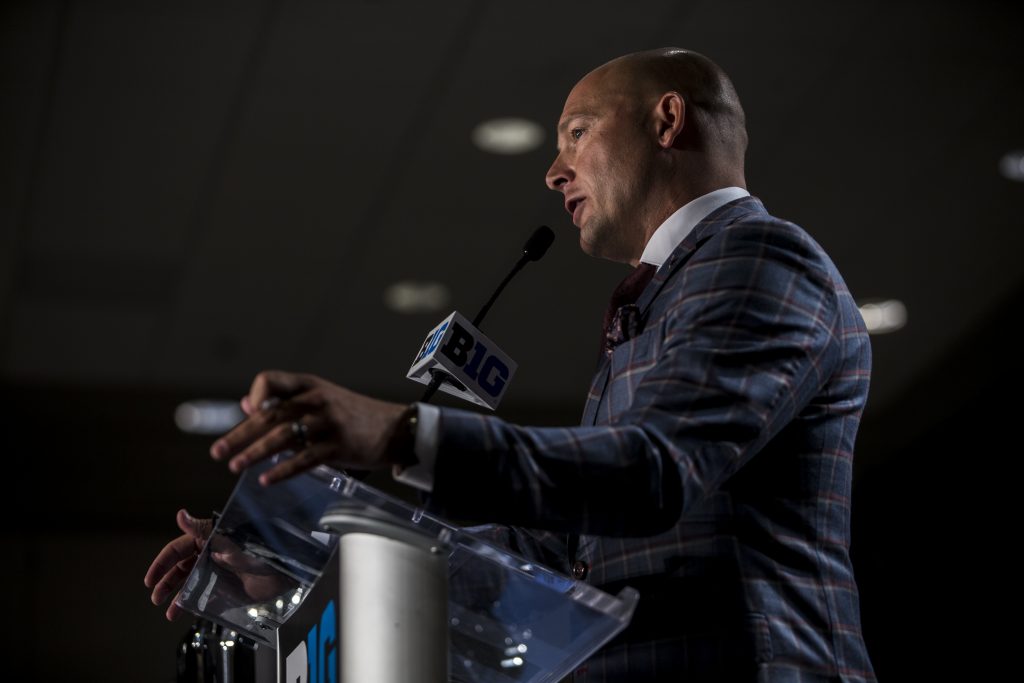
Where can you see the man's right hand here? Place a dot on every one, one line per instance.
(172, 565)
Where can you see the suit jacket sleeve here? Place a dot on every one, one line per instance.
(747, 338)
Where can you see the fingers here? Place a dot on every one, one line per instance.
(253, 428)
(288, 435)
(181, 548)
(238, 562)
(306, 459)
(173, 580)
(277, 384)
(199, 529)
(172, 610)
(172, 564)
(229, 555)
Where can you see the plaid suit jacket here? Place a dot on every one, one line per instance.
(711, 471)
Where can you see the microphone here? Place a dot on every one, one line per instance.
(459, 359)
(533, 250)
(538, 244)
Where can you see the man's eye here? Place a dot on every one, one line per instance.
(576, 133)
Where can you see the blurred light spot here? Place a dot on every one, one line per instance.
(1012, 165)
(207, 417)
(884, 316)
(508, 136)
(409, 296)
(511, 663)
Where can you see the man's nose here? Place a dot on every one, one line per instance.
(559, 174)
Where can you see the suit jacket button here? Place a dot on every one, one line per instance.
(579, 570)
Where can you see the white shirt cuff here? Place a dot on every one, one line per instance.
(421, 475)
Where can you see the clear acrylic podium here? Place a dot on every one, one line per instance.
(348, 584)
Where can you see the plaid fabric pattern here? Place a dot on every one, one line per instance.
(712, 469)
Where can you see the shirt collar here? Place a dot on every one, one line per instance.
(677, 226)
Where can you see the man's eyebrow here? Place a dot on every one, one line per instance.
(572, 116)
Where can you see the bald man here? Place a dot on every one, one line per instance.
(712, 468)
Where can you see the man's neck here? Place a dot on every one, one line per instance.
(679, 194)
(674, 229)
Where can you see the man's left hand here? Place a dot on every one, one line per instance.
(322, 422)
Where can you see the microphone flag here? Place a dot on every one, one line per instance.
(475, 368)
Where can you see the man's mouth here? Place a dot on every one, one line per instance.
(572, 206)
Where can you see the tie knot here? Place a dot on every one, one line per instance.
(621, 318)
(632, 285)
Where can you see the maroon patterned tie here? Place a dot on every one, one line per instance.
(622, 317)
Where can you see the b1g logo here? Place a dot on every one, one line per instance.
(316, 659)
(431, 342)
(489, 372)
(474, 367)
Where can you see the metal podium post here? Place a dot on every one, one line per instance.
(393, 598)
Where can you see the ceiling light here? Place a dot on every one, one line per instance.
(409, 296)
(207, 417)
(508, 136)
(1012, 165)
(884, 316)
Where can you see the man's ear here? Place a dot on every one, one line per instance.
(669, 119)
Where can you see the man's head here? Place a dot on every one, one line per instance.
(638, 138)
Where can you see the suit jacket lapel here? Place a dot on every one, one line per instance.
(703, 231)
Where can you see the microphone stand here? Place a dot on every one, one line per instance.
(533, 250)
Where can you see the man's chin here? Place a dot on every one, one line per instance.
(588, 247)
(600, 249)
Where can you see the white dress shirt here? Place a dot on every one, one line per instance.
(677, 226)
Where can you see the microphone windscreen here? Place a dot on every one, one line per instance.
(538, 243)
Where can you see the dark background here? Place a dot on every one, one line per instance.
(191, 192)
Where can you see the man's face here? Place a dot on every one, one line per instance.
(603, 167)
